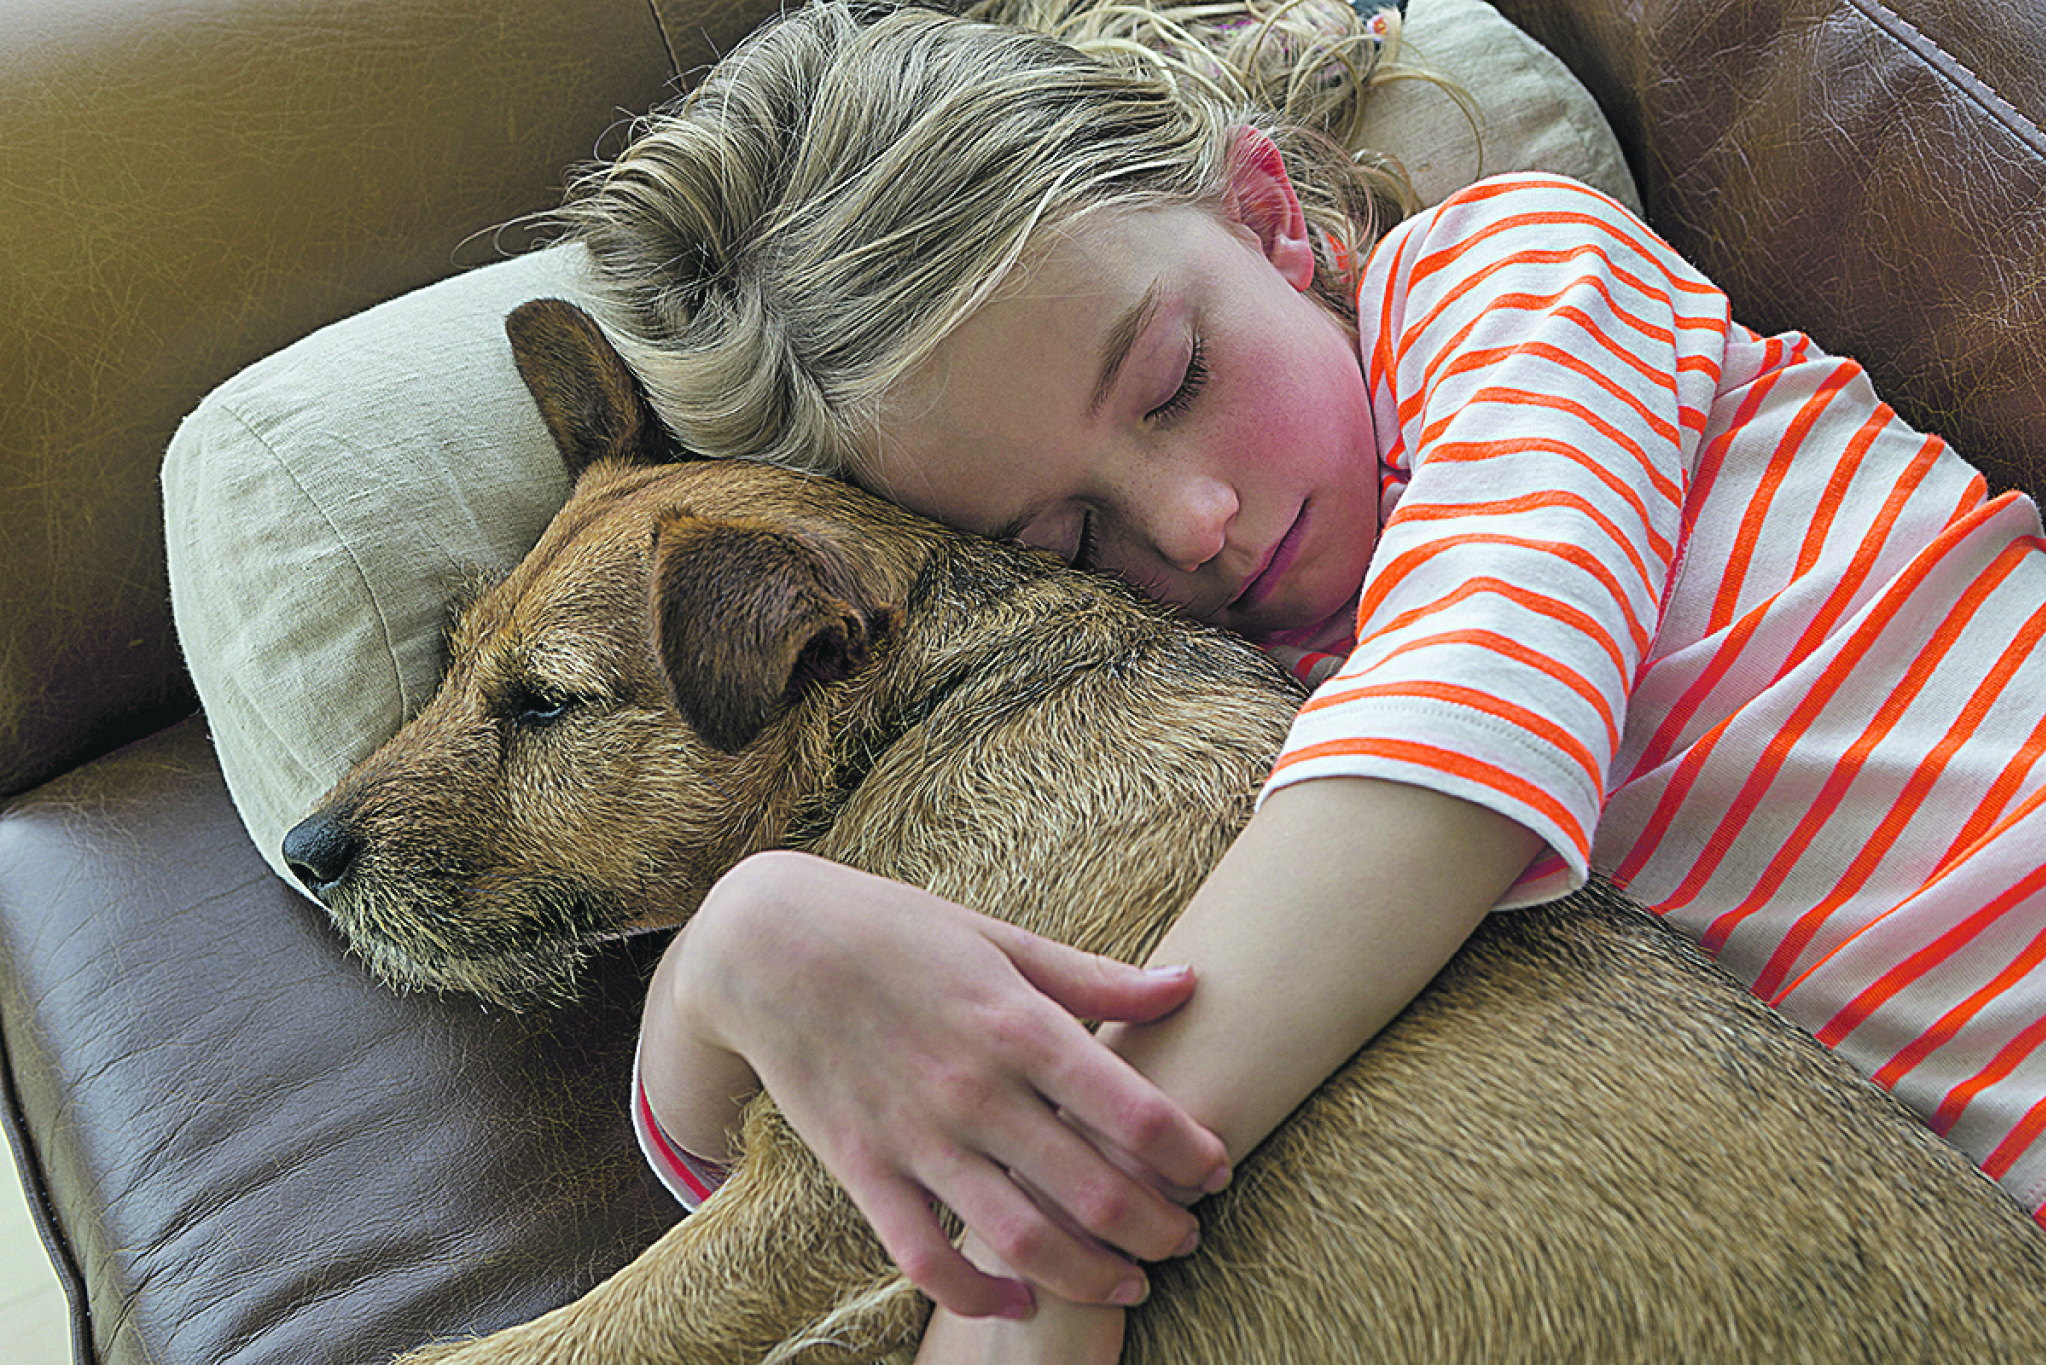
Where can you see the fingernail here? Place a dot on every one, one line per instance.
(1192, 1242)
(1172, 973)
(1219, 1181)
(1131, 1292)
(1020, 1306)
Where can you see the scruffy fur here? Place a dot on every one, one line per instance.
(1584, 1142)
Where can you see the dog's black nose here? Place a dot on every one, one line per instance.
(320, 850)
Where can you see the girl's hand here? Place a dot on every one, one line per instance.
(928, 1053)
(1058, 1333)
(1061, 1333)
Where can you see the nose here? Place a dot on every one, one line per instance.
(1189, 524)
(320, 850)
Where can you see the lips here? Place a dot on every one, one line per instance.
(1273, 571)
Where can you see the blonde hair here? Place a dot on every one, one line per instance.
(779, 249)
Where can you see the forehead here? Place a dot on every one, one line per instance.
(1014, 382)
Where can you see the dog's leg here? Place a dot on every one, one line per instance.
(777, 1267)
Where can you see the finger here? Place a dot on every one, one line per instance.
(1032, 1238)
(1183, 1196)
(1095, 987)
(903, 1219)
(1104, 1195)
(1114, 1101)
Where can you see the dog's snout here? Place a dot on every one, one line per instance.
(320, 850)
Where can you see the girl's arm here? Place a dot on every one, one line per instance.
(927, 1052)
(1337, 905)
(930, 1053)
(1340, 901)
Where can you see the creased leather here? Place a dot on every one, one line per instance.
(184, 188)
(1871, 174)
(259, 1154)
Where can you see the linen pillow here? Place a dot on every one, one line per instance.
(323, 506)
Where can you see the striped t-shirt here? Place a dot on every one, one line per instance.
(1694, 604)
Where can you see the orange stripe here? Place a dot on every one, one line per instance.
(1866, 556)
(1711, 459)
(1490, 358)
(2007, 1152)
(1557, 403)
(1754, 515)
(1822, 690)
(1476, 452)
(1384, 359)
(1528, 502)
(1553, 304)
(1849, 766)
(1838, 483)
(2001, 793)
(1957, 1018)
(1481, 701)
(1411, 561)
(1542, 261)
(1892, 982)
(1728, 655)
(1653, 329)
(2000, 1066)
(1449, 761)
(1605, 217)
(1540, 660)
(1913, 796)
(1527, 398)
(1977, 491)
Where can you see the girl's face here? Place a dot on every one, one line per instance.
(1155, 396)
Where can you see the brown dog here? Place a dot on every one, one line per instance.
(1583, 1142)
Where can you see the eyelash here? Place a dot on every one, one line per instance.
(1084, 552)
(1190, 386)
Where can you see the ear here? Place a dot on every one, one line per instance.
(594, 407)
(1262, 199)
(748, 618)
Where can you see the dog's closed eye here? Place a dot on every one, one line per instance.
(530, 707)
(534, 711)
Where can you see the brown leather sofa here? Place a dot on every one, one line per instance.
(239, 1148)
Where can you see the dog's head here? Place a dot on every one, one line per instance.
(647, 698)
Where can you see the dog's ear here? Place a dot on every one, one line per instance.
(749, 617)
(592, 404)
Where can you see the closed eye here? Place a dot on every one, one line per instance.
(1190, 385)
(530, 708)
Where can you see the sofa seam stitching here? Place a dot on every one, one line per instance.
(667, 43)
(1956, 72)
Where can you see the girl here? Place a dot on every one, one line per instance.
(1596, 578)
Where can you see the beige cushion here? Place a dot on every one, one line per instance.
(1532, 113)
(323, 506)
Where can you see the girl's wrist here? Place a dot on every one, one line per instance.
(695, 1077)
(714, 968)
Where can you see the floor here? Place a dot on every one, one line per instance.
(34, 1322)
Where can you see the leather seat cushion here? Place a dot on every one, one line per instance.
(258, 1153)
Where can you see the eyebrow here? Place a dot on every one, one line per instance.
(1121, 339)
